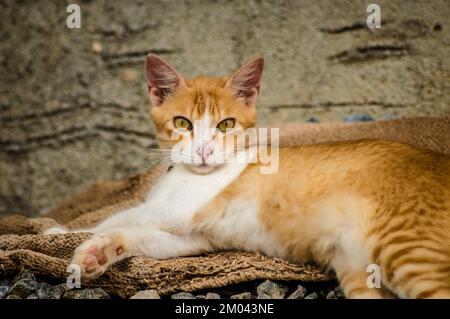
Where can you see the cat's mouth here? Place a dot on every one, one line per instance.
(202, 168)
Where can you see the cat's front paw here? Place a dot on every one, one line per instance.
(97, 253)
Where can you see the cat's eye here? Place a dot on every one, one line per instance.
(182, 123)
(225, 125)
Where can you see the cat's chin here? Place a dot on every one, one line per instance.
(202, 169)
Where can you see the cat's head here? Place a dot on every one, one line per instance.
(199, 116)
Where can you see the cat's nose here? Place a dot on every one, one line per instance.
(205, 150)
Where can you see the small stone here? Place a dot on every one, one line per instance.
(23, 287)
(32, 296)
(96, 47)
(147, 294)
(64, 287)
(46, 291)
(3, 291)
(5, 286)
(244, 295)
(212, 295)
(339, 293)
(96, 293)
(299, 293)
(271, 290)
(200, 297)
(182, 295)
(312, 296)
(24, 275)
(12, 296)
(331, 295)
(5, 282)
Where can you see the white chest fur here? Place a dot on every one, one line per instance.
(181, 193)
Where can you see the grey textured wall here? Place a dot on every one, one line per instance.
(73, 105)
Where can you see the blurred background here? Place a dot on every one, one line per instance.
(74, 106)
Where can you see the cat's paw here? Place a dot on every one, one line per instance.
(97, 253)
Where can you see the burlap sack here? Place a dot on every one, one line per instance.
(21, 246)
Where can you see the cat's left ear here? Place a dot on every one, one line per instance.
(162, 79)
(246, 80)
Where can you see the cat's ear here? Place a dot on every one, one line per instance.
(162, 79)
(246, 80)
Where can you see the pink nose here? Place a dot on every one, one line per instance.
(204, 151)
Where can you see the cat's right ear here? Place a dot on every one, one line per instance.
(246, 80)
(162, 79)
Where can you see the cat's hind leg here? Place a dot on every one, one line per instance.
(353, 277)
(354, 285)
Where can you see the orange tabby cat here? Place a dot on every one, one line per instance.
(346, 205)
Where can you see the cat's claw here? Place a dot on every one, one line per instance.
(95, 255)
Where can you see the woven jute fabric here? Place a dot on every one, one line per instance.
(23, 247)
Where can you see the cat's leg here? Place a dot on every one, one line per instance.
(353, 279)
(96, 254)
(128, 217)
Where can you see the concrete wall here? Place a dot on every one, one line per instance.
(73, 104)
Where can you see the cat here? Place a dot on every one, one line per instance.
(344, 205)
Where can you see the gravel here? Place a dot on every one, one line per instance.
(26, 275)
(26, 286)
(23, 287)
(146, 294)
(244, 295)
(331, 295)
(339, 293)
(3, 291)
(46, 291)
(96, 293)
(299, 293)
(182, 295)
(314, 295)
(271, 290)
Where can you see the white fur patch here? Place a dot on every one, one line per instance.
(240, 228)
(177, 196)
